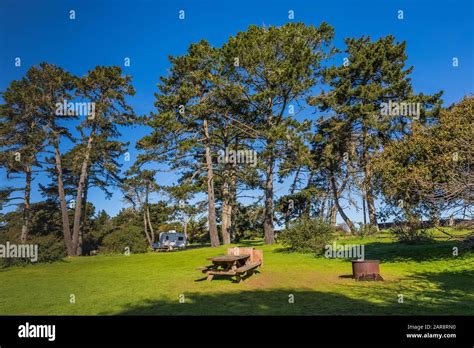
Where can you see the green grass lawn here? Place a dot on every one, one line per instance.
(430, 278)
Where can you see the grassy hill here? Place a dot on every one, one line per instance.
(430, 278)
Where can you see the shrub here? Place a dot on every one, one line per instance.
(50, 248)
(411, 233)
(367, 230)
(468, 242)
(342, 229)
(465, 225)
(6, 262)
(307, 235)
(131, 237)
(197, 231)
(251, 234)
(92, 239)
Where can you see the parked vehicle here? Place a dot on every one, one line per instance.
(170, 240)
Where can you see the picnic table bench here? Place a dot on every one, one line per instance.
(238, 262)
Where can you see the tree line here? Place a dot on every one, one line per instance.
(249, 95)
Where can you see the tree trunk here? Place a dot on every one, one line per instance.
(80, 190)
(147, 222)
(368, 182)
(333, 215)
(363, 209)
(83, 220)
(292, 191)
(268, 215)
(63, 204)
(152, 232)
(307, 207)
(233, 194)
(226, 212)
(323, 208)
(145, 225)
(338, 206)
(372, 211)
(210, 191)
(26, 207)
(369, 197)
(185, 227)
(233, 202)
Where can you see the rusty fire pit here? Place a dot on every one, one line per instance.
(366, 270)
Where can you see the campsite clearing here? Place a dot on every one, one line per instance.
(431, 280)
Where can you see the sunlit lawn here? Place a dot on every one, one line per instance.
(430, 278)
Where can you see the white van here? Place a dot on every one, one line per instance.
(171, 240)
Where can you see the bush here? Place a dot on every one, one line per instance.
(411, 233)
(468, 242)
(252, 234)
(197, 231)
(342, 229)
(131, 237)
(307, 235)
(465, 225)
(50, 248)
(6, 262)
(367, 230)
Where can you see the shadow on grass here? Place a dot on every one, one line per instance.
(400, 252)
(233, 279)
(4, 267)
(454, 282)
(197, 246)
(453, 296)
(440, 293)
(255, 302)
(283, 250)
(250, 243)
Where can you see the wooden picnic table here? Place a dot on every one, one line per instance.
(232, 264)
(229, 258)
(228, 262)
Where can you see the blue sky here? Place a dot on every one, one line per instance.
(105, 32)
